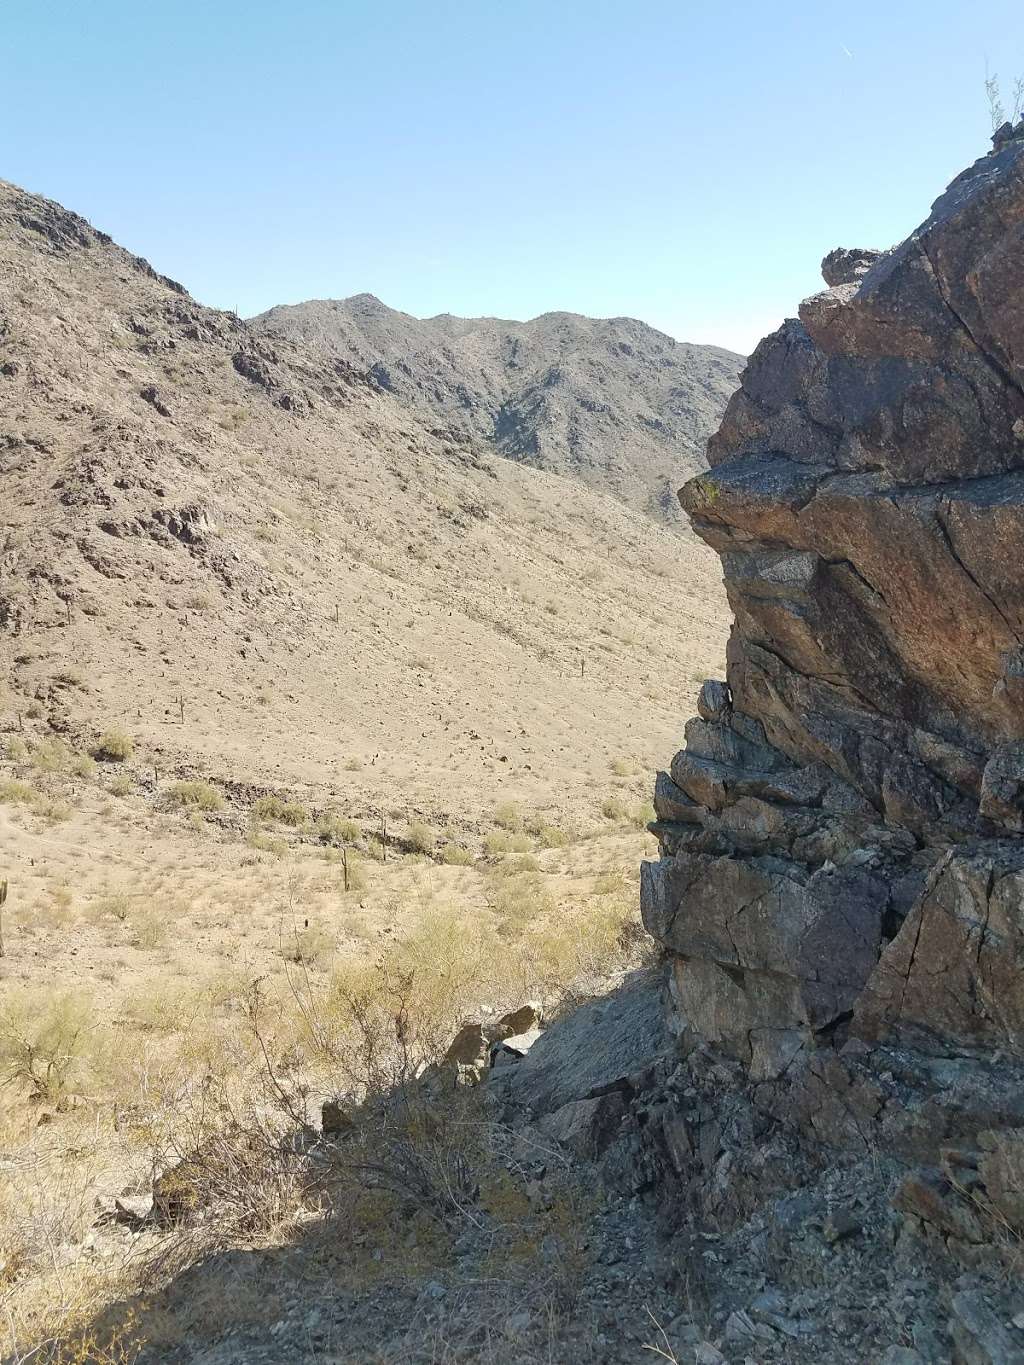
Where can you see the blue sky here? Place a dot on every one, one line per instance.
(687, 163)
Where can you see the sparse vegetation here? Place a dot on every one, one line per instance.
(202, 796)
(43, 1040)
(456, 856)
(115, 746)
(290, 813)
(509, 816)
(420, 838)
(332, 828)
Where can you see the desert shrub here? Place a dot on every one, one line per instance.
(514, 865)
(508, 815)
(267, 843)
(284, 812)
(615, 808)
(198, 795)
(15, 749)
(501, 841)
(17, 793)
(456, 856)
(420, 837)
(622, 767)
(550, 836)
(307, 945)
(149, 926)
(197, 601)
(120, 785)
(642, 814)
(43, 1040)
(332, 828)
(520, 899)
(112, 905)
(113, 747)
(34, 710)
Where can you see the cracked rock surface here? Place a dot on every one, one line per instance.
(841, 880)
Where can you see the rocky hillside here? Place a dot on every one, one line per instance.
(841, 886)
(270, 571)
(611, 401)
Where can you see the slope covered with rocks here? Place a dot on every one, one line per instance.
(270, 571)
(612, 402)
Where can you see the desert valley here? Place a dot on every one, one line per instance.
(512, 832)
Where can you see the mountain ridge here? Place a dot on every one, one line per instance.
(612, 401)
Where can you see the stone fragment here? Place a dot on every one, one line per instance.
(847, 265)
(522, 1020)
(714, 702)
(585, 1126)
(979, 1333)
(672, 804)
(967, 931)
(594, 1050)
(1002, 787)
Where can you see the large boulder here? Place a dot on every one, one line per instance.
(841, 878)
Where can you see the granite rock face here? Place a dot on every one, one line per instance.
(841, 880)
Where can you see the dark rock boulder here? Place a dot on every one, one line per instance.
(841, 880)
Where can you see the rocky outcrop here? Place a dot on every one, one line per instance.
(841, 880)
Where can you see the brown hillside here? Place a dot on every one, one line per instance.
(192, 510)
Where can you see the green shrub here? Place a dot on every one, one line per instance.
(43, 1038)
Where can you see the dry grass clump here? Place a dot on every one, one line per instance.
(522, 899)
(333, 828)
(115, 746)
(272, 807)
(508, 815)
(201, 796)
(550, 836)
(617, 809)
(420, 838)
(501, 841)
(456, 856)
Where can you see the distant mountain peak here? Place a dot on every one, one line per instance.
(613, 401)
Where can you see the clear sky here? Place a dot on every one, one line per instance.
(686, 163)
